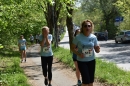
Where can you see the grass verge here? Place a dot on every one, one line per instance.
(11, 74)
(106, 72)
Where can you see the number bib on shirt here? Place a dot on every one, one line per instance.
(22, 44)
(46, 49)
(87, 52)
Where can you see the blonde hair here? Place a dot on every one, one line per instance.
(45, 27)
(83, 23)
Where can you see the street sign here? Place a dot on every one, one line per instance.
(119, 19)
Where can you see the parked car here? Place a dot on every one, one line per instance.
(100, 35)
(123, 36)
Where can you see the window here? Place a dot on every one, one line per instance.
(128, 32)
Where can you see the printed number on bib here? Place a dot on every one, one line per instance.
(22, 44)
(87, 52)
(46, 49)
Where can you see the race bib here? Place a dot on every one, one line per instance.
(22, 44)
(46, 49)
(87, 52)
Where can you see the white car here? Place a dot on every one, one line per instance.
(123, 36)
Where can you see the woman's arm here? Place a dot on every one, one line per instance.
(19, 46)
(42, 42)
(74, 50)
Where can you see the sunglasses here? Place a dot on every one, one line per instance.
(87, 26)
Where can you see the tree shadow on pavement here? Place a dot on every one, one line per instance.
(32, 71)
(33, 54)
(64, 42)
(118, 53)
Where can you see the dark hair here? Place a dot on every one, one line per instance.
(21, 35)
(76, 32)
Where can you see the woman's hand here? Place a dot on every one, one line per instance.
(97, 49)
(81, 55)
(45, 33)
(75, 50)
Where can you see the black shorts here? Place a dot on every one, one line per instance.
(87, 70)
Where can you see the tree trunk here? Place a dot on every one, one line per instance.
(69, 23)
(49, 17)
(52, 15)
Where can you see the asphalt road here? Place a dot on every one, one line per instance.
(117, 53)
(110, 51)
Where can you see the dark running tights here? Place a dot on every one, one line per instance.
(46, 63)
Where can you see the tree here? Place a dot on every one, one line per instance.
(124, 8)
(51, 9)
(18, 17)
(70, 6)
(69, 23)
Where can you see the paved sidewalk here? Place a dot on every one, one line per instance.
(62, 75)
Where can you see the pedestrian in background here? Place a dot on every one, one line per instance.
(46, 55)
(31, 39)
(36, 38)
(76, 32)
(87, 45)
(106, 35)
(22, 48)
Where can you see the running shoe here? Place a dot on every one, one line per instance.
(79, 83)
(46, 82)
(49, 85)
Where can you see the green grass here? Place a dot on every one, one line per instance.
(109, 73)
(106, 72)
(64, 56)
(11, 74)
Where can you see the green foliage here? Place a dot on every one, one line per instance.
(19, 17)
(103, 13)
(123, 6)
(10, 72)
(1, 46)
(89, 10)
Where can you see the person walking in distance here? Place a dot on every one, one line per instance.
(36, 38)
(87, 45)
(77, 31)
(46, 55)
(31, 39)
(22, 48)
(106, 35)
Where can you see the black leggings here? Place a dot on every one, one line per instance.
(87, 70)
(46, 63)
